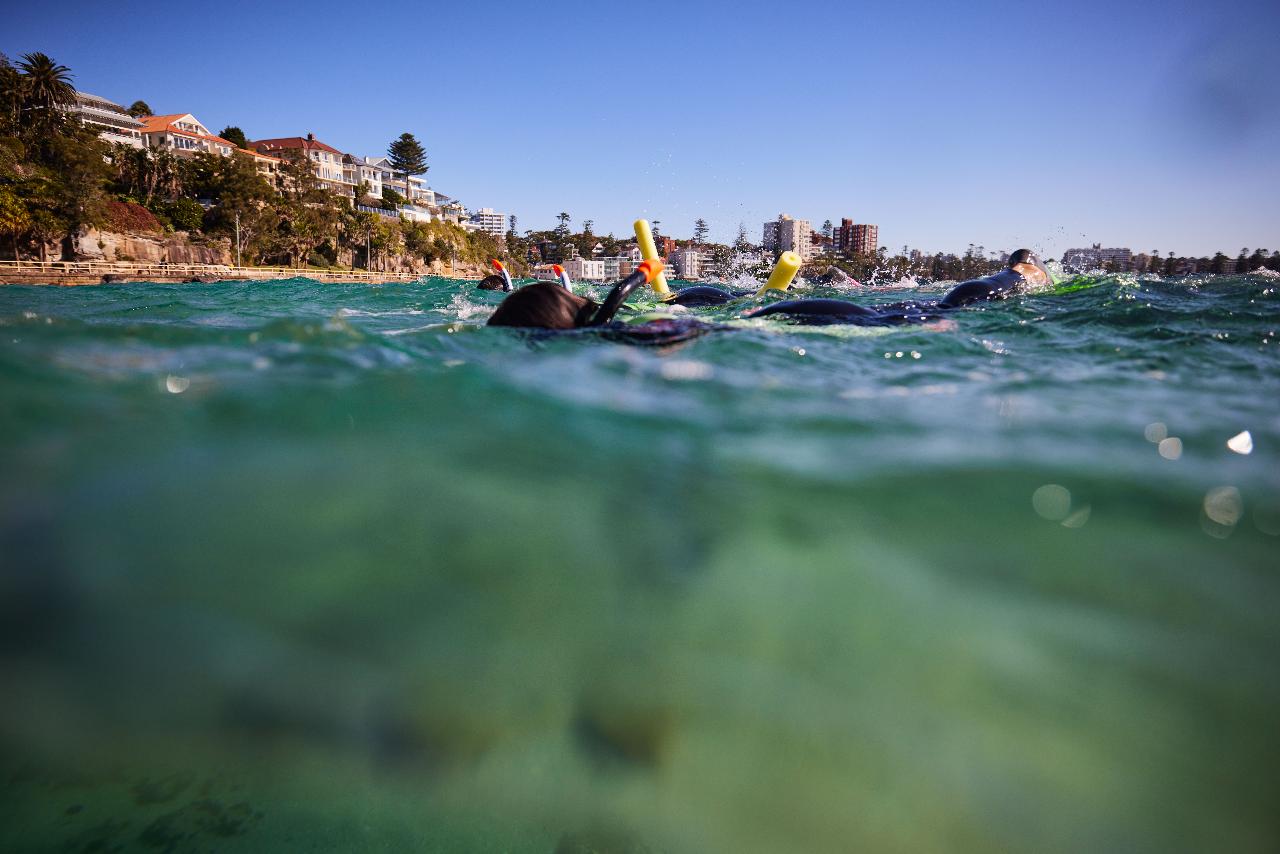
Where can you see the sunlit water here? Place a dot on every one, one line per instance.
(290, 566)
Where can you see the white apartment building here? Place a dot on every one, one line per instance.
(358, 170)
(112, 122)
(1095, 257)
(415, 191)
(585, 270)
(487, 219)
(789, 235)
(691, 263)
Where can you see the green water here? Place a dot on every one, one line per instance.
(290, 566)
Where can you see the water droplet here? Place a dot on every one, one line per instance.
(176, 385)
(1241, 443)
(1170, 448)
(1052, 501)
(1078, 518)
(1156, 432)
(1224, 505)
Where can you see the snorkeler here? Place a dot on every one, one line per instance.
(1023, 269)
(499, 281)
(549, 306)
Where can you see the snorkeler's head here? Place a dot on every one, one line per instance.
(544, 305)
(1031, 267)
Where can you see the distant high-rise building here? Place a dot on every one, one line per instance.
(487, 219)
(1095, 256)
(770, 241)
(789, 235)
(857, 238)
(865, 238)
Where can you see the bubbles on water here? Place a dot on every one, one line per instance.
(1241, 443)
(464, 308)
(686, 370)
(1223, 508)
(1053, 502)
(996, 347)
(1170, 448)
(1155, 432)
(175, 384)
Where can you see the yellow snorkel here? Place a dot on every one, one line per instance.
(649, 251)
(783, 272)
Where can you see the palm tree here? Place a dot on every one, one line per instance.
(46, 85)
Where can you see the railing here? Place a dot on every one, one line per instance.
(144, 271)
(379, 211)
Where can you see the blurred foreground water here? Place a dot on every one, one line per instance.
(289, 566)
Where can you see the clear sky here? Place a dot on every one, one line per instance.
(1153, 125)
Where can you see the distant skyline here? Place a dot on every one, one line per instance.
(1151, 126)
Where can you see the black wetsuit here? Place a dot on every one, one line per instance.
(826, 311)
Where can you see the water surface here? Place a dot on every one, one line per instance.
(328, 567)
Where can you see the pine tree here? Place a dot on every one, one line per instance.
(700, 231)
(408, 158)
(234, 135)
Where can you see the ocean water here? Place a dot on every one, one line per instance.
(304, 567)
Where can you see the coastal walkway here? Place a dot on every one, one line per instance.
(108, 272)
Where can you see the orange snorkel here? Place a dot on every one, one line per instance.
(502, 271)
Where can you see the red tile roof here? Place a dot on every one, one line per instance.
(164, 124)
(288, 142)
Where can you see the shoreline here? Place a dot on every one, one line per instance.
(74, 273)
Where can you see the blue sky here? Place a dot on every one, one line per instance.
(1148, 125)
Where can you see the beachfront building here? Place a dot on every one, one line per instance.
(691, 263)
(788, 235)
(855, 238)
(112, 122)
(183, 134)
(1096, 257)
(358, 170)
(585, 270)
(415, 190)
(487, 219)
(325, 160)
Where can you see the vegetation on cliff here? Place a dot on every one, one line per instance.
(58, 177)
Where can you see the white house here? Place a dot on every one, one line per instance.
(112, 122)
(183, 134)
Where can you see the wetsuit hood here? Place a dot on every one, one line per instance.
(1026, 256)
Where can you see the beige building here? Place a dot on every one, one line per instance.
(585, 270)
(789, 235)
(325, 160)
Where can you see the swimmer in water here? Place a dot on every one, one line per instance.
(499, 281)
(1024, 269)
(549, 306)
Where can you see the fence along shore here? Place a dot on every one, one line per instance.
(111, 272)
